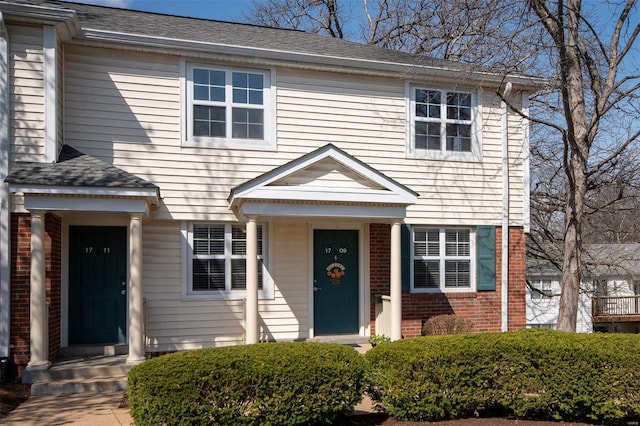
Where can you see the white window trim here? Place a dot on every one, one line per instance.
(472, 265)
(476, 126)
(544, 287)
(186, 113)
(267, 291)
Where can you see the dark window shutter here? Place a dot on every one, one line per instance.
(405, 244)
(486, 257)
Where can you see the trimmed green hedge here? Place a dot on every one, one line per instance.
(267, 383)
(537, 374)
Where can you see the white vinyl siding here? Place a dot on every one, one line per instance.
(26, 97)
(175, 323)
(542, 311)
(172, 323)
(124, 108)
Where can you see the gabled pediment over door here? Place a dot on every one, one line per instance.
(327, 182)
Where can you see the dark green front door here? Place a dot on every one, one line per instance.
(97, 284)
(335, 282)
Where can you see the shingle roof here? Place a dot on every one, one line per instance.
(600, 260)
(75, 169)
(235, 34)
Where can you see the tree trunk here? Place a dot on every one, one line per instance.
(572, 260)
(577, 150)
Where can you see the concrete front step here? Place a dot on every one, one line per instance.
(69, 386)
(83, 368)
(78, 375)
(77, 351)
(75, 373)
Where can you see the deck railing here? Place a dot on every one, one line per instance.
(616, 306)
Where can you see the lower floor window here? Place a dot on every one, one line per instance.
(219, 257)
(442, 258)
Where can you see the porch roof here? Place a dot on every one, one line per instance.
(327, 182)
(81, 175)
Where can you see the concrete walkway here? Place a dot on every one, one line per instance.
(90, 409)
(96, 408)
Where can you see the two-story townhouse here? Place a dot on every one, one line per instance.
(173, 183)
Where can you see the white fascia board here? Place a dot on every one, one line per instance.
(291, 168)
(83, 190)
(88, 204)
(323, 210)
(36, 12)
(306, 193)
(43, 15)
(378, 178)
(390, 67)
(260, 188)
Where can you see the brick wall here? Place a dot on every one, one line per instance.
(20, 283)
(483, 307)
(517, 279)
(20, 272)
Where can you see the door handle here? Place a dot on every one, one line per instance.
(123, 292)
(316, 288)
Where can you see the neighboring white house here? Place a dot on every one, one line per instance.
(609, 296)
(173, 183)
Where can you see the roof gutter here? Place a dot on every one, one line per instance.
(52, 16)
(519, 81)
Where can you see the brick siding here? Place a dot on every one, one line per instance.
(20, 285)
(483, 308)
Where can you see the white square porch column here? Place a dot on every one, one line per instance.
(136, 300)
(38, 313)
(251, 326)
(396, 281)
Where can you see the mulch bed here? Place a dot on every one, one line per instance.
(12, 395)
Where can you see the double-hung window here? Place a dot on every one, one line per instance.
(443, 124)
(228, 107)
(541, 288)
(218, 259)
(442, 259)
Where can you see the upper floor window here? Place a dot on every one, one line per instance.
(228, 107)
(442, 259)
(443, 124)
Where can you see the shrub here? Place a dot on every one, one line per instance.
(268, 383)
(539, 374)
(446, 324)
(378, 339)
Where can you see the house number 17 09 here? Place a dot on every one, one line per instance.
(341, 250)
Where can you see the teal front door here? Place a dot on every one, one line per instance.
(335, 284)
(97, 284)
